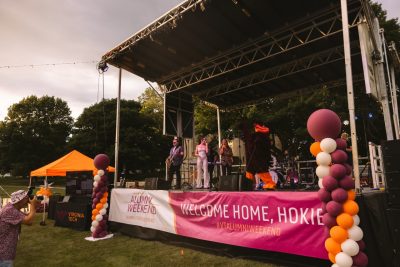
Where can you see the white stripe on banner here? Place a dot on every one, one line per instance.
(148, 209)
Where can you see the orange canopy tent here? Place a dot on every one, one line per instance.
(72, 162)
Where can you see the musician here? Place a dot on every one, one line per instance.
(174, 161)
(202, 163)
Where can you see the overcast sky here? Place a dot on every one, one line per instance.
(47, 31)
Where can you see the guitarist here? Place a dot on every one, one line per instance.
(174, 162)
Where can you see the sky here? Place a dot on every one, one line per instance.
(71, 31)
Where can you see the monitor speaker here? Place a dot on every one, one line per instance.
(390, 148)
(228, 183)
(393, 216)
(393, 197)
(156, 184)
(392, 179)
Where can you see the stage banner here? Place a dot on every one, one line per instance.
(146, 208)
(289, 222)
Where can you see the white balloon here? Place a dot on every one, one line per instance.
(322, 171)
(102, 211)
(335, 265)
(105, 205)
(99, 217)
(95, 223)
(343, 260)
(320, 183)
(355, 233)
(95, 184)
(356, 220)
(328, 145)
(324, 159)
(92, 229)
(350, 247)
(100, 172)
(96, 178)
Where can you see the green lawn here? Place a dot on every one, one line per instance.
(56, 246)
(11, 184)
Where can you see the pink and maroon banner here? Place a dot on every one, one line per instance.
(289, 222)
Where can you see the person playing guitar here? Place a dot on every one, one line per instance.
(174, 162)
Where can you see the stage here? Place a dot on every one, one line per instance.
(278, 226)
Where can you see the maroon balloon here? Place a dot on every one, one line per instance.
(337, 171)
(324, 195)
(329, 183)
(100, 184)
(96, 189)
(99, 195)
(101, 161)
(102, 223)
(103, 189)
(324, 123)
(93, 206)
(102, 234)
(104, 179)
(96, 200)
(334, 208)
(360, 259)
(339, 195)
(341, 144)
(95, 235)
(361, 245)
(323, 207)
(347, 183)
(348, 167)
(339, 156)
(328, 220)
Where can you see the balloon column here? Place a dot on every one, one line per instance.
(344, 245)
(99, 197)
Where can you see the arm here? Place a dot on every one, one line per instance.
(196, 152)
(28, 219)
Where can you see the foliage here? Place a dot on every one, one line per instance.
(34, 132)
(391, 26)
(152, 105)
(142, 147)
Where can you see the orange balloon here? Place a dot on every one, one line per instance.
(350, 207)
(103, 200)
(351, 195)
(99, 206)
(95, 212)
(345, 220)
(332, 246)
(105, 194)
(315, 148)
(338, 234)
(93, 217)
(332, 257)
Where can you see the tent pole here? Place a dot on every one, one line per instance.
(117, 120)
(350, 93)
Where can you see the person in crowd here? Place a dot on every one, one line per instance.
(225, 151)
(202, 164)
(345, 137)
(175, 160)
(11, 219)
(212, 158)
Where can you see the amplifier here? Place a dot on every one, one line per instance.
(156, 184)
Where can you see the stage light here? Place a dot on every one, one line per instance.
(102, 66)
(370, 115)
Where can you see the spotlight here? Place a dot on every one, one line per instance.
(103, 67)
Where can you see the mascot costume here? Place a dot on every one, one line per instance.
(258, 156)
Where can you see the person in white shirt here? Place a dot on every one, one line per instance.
(202, 164)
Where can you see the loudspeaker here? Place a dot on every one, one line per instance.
(392, 179)
(228, 183)
(391, 163)
(156, 184)
(393, 197)
(390, 148)
(393, 216)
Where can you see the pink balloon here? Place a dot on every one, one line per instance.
(334, 208)
(339, 195)
(339, 156)
(328, 220)
(101, 161)
(324, 123)
(360, 259)
(324, 195)
(349, 169)
(341, 144)
(330, 183)
(338, 171)
(347, 183)
(361, 244)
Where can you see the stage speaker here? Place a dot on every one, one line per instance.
(393, 197)
(390, 148)
(228, 183)
(156, 184)
(393, 216)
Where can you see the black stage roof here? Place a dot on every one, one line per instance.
(235, 52)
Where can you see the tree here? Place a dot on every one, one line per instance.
(142, 147)
(152, 105)
(391, 26)
(33, 133)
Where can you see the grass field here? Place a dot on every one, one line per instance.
(56, 246)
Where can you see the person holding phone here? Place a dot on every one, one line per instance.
(226, 154)
(11, 219)
(202, 164)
